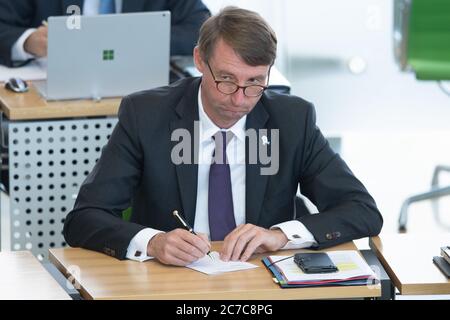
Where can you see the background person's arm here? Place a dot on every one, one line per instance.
(37, 42)
(18, 52)
(15, 19)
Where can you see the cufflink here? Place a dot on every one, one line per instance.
(296, 236)
(333, 235)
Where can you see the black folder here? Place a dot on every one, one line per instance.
(443, 265)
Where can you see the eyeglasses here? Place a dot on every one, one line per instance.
(229, 87)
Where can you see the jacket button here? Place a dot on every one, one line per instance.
(329, 236)
(337, 234)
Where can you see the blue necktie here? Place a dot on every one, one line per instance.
(107, 6)
(220, 197)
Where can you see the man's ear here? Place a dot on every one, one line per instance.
(198, 61)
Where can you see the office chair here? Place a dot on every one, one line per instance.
(422, 45)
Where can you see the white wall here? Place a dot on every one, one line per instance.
(326, 34)
(317, 39)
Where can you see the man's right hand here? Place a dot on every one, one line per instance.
(178, 247)
(36, 43)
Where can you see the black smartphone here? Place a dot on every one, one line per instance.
(318, 262)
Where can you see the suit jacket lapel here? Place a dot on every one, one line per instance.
(187, 174)
(255, 183)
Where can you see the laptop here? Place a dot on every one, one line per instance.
(109, 55)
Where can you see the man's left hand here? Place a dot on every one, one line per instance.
(247, 239)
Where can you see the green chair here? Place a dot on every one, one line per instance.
(422, 45)
(422, 38)
(126, 214)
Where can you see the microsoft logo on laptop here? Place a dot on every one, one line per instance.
(108, 55)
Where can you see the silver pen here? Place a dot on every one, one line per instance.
(186, 226)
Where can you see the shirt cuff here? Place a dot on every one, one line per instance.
(298, 235)
(18, 52)
(137, 249)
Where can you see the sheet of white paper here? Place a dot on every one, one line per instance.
(217, 266)
(35, 70)
(349, 263)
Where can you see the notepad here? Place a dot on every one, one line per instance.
(216, 266)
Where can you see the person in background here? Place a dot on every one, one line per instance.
(23, 31)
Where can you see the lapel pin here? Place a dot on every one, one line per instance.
(265, 141)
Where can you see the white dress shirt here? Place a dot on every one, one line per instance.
(297, 234)
(90, 8)
(236, 160)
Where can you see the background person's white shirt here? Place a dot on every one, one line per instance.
(298, 235)
(90, 8)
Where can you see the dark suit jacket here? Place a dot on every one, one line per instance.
(136, 169)
(16, 16)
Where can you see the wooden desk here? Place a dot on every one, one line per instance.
(31, 106)
(23, 277)
(103, 277)
(408, 259)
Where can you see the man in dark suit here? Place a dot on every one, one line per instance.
(23, 36)
(152, 163)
